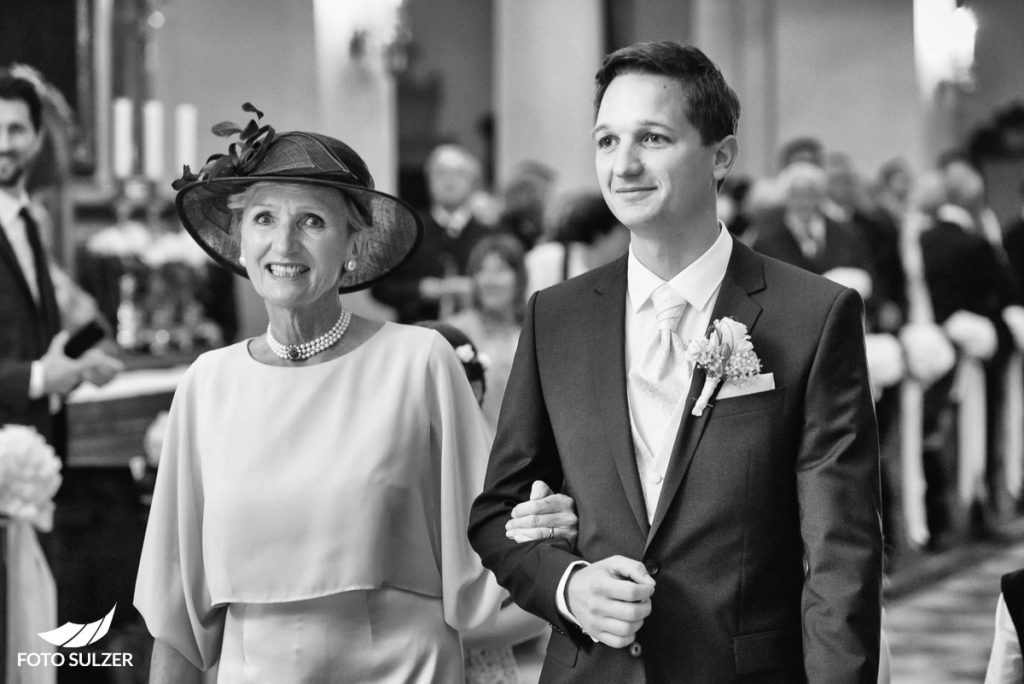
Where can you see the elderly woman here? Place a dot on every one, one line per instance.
(309, 516)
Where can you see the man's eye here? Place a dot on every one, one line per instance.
(604, 141)
(654, 138)
(263, 218)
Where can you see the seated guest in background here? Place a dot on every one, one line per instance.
(433, 284)
(970, 290)
(1014, 241)
(308, 521)
(802, 149)
(802, 234)
(586, 235)
(525, 200)
(850, 204)
(494, 317)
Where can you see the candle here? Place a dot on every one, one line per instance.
(185, 118)
(153, 149)
(124, 152)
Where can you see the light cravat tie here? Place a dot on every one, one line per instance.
(662, 373)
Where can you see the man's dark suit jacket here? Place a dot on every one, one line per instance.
(842, 247)
(26, 329)
(766, 543)
(438, 255)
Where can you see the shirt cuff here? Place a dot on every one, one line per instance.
(560, 601)
(37, 380)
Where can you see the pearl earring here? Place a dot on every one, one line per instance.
(241, 260)
(350, 265)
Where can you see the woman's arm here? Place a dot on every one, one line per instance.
(167, 665)
(513, 626)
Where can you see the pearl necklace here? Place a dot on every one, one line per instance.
(301, 352)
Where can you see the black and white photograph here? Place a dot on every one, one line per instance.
(511, 341)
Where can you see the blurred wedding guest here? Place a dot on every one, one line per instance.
(433, 284)
(494, 317)
(35, 373)
(489, 654)
(850, 203)
(971, 292)
(1013, 240)
(322, 537)
(892, 189)
(525, 199)
(732, 204)
(802, 149)
(1005, 664)
(803, 235)
(586, 235)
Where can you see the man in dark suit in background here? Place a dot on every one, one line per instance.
(35, 374)
(433, 284)
(737, 543)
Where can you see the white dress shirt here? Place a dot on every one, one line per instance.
(699, 283)
(1005, 664)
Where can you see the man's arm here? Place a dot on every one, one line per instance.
(837, 473)
(524, 451)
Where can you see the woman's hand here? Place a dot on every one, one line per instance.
(545, 516)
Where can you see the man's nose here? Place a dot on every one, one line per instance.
(627, 161)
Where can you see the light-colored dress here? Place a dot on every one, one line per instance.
(498, 343)
(309, 523)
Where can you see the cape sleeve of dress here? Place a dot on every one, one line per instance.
(171, 591)
(460, 444)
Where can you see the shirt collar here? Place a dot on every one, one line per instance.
(452, 221)
(697, 283)
(10, 206)
(951, 213)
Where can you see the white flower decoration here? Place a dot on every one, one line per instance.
(727, 353)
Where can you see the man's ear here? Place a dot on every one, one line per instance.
(726, 151)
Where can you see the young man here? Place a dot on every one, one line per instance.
(740, 544)
(33, 366)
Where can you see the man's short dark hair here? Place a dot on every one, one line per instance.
(17, 88)
(712, 106)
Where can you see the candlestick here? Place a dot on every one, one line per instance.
(124, 152)
(185, 118)
(153, 129)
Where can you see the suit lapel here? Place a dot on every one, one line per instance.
(743, 277)
(7, 254)
(609, 381)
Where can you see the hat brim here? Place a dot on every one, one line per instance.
(394, 233)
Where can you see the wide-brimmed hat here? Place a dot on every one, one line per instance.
(394, 229)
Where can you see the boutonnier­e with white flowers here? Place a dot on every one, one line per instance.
(725, 354)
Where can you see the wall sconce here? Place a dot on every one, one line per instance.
(944, 36)
(382, 27)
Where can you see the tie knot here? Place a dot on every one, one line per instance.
(668, 307)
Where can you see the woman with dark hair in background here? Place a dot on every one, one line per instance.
(587, 235)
